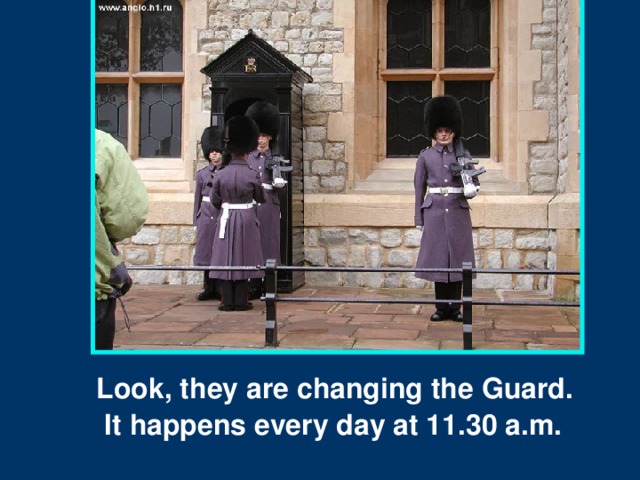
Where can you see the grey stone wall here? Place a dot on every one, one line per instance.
(303, 31)
(543, 166)
(166, 245)
(171, 245)
(511, 249)
(563, 91)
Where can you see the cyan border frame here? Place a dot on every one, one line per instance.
(579, 351)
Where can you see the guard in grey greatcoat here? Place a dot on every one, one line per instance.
(267, 117)
(441, 209)
(236, 189)
(205, 214)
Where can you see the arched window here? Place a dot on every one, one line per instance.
(139, 74)
(433, 48)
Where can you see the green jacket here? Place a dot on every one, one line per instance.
(121, 210)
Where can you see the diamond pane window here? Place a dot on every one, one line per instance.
(405, 104)
(111, 110)
(408, 34)
(112, 37)
(160, 120)
(139, 74)
(474, 99)
(467, 33)
(161, 37)
(435, 47)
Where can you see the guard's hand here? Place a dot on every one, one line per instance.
(470, 191)
(279, 182)
(195, 228)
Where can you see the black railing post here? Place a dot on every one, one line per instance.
(271, 287)
(467, 306)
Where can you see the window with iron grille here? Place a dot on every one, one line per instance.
(433, 48)
(139, 74)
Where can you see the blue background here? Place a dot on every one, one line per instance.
(53, 422)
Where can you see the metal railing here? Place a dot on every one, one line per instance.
(271, 297)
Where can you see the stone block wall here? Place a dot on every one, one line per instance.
(305, 32)
(508, 249)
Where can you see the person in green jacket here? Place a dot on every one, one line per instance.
(121, 204)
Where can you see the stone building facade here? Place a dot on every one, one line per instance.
(358, 204)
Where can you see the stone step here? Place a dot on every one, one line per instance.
(163, 175)
(168, 187)
(159, 164)
(395, 176)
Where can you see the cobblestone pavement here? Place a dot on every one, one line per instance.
(167, 317)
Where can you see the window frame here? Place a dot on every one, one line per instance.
(134, 78)
(438, 74)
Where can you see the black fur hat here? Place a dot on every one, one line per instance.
(443, 112)
(241, 135)
(211, 141)
(267, 117)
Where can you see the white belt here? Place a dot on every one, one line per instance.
(446, 190)
(225, 214)
(206, 199)
(267, 186)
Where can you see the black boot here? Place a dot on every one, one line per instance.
(256, 288)
(210, 291)
(226, 288)
(241, 296)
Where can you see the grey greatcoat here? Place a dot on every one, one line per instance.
(269, 210)
(205, 215)
(447, 235)
(234, 184)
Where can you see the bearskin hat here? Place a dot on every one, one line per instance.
(241, 134)
(211, 141)
(443, 112)
(267, 117)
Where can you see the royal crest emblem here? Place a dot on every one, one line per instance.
(250, 65)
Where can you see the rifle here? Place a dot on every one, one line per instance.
(466, 170)
(276, 165)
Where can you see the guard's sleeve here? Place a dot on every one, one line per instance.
(420, 186)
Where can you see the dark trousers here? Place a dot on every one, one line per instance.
(256, 288)
(210, 285)
(448, 291)
(235, 293)
(105, 323)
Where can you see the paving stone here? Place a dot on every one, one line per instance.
(388, 344)
(386, 333)
(354, 308)
(313, 316)
(164, 326)
(226, 325)
(360, 319)
(511, 335)
(568, 341)
(316, 328)
(451, 345)
(238, 340)
(157, 338)
(168, 317)
(544, 346)
(326, 341)
(499, 345)
(296, 307)
(519, 324)
(564, 328)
